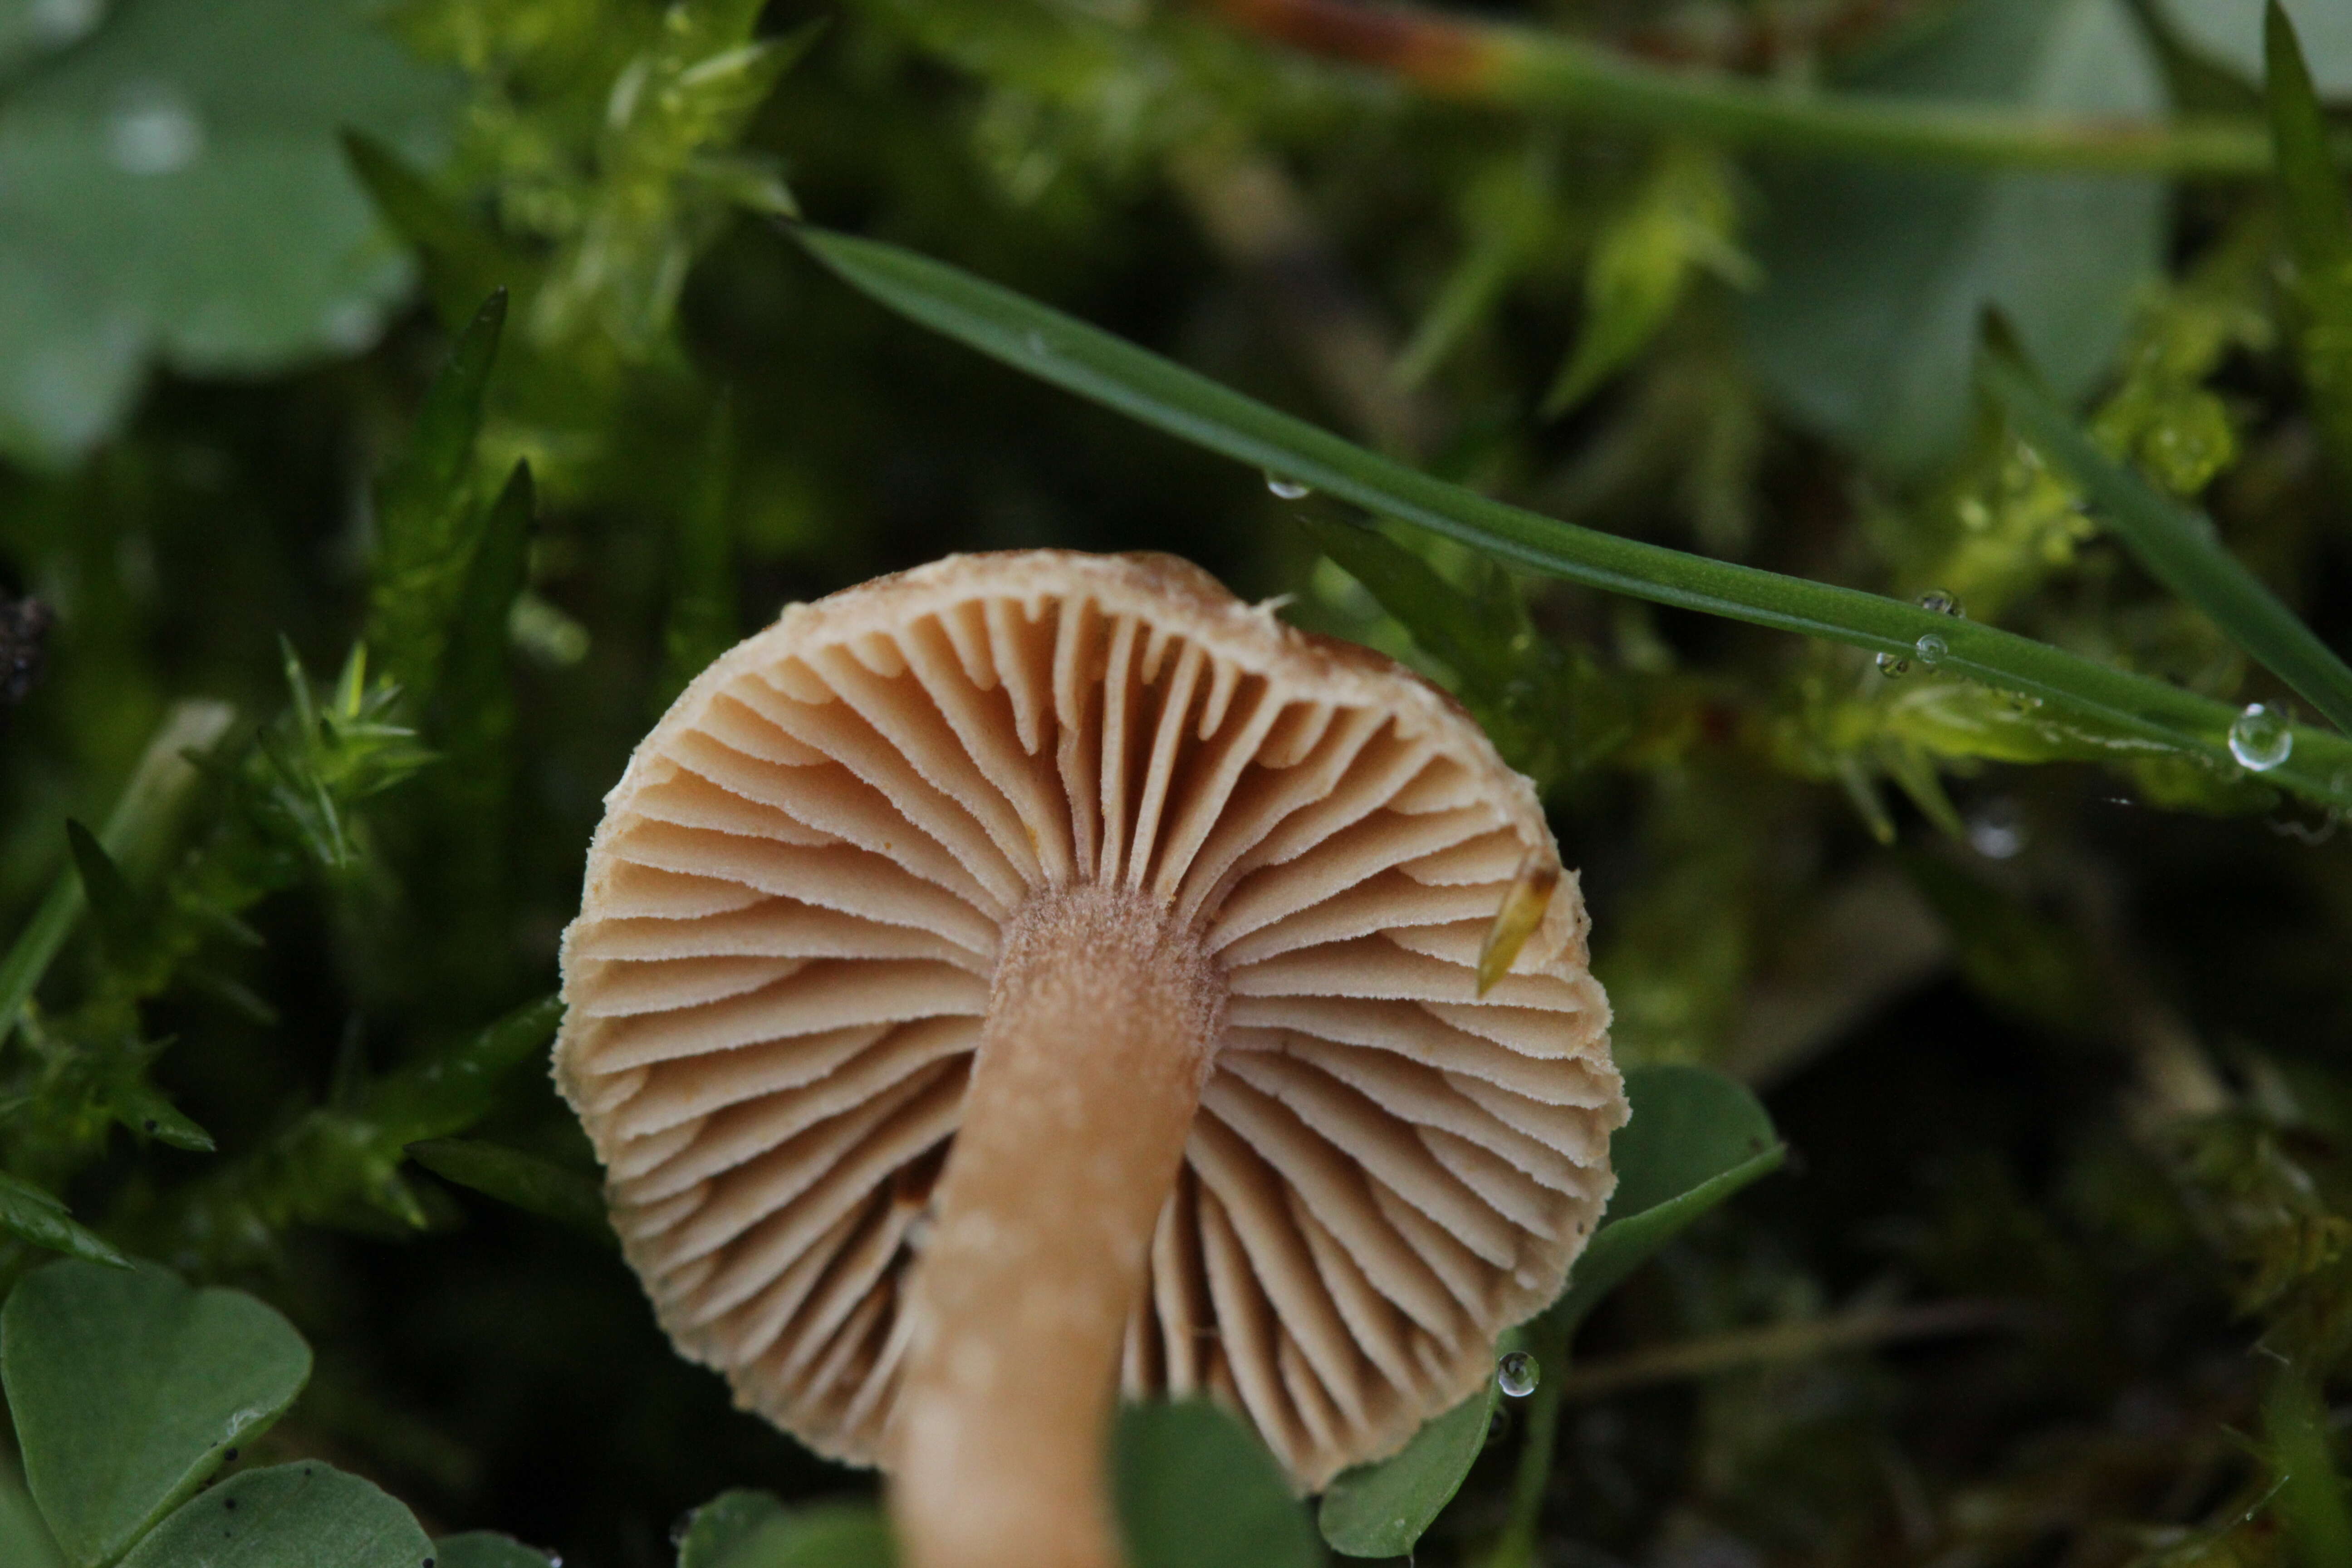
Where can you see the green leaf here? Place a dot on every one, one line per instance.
(523, 1180)
(1379, 1510)
(171, 188)
(752, 1529)
(716, 1530)
(1695, 1138)
(2231, 31)
(140, 1106)
(2318, 221)
(128, 1388)
(486, 1549)
(1196, 1489)
(303, 1515)
(1054, 347)
(1876, 274)
(24, 1541)
(2179, 549)
(426, 521)
(31, 1215)
(836, 1535)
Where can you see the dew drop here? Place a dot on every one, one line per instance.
(2261, 738)
(1996, 830)
(1287, 490)
(1891, 665)
(153, 130)
(1931, 649)
(1515, 1375)
(1936, 602)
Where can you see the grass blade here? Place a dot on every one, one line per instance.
(1045, 344)
(2318, 230)
(2175, 546)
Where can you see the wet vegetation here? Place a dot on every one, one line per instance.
(1881, 465)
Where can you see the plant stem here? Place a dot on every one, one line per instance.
(1099, 1028)
(134, 829)
(1521, 68)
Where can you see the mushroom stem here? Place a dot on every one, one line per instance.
(1101, 1022)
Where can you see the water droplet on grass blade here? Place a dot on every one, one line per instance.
(1515, 1375)
(1996, 831)
(2261, 738)
(1931, 649)
(1939, 602)
(1287, 490)
(1891, 665)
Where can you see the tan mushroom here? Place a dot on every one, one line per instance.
(1039, 975)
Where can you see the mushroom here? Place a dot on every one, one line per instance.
(1037, 976)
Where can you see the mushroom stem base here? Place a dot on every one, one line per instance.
(1100, 1026)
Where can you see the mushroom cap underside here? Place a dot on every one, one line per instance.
(792, 915)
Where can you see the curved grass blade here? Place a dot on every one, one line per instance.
(2146, 714)
(2175, 547)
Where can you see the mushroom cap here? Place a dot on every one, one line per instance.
(791, 914)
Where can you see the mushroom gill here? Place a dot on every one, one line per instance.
(1096, 810)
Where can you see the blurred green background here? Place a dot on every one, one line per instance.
(2059, 1032)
